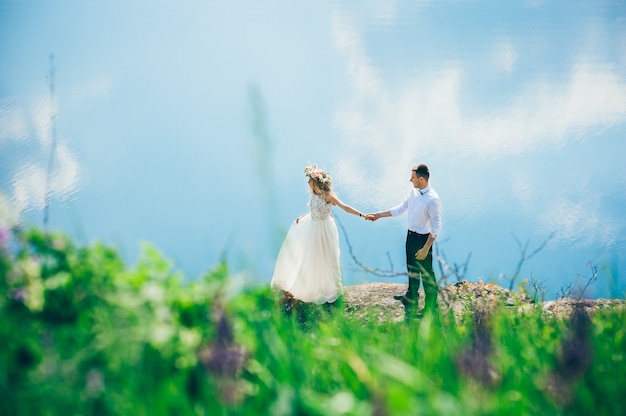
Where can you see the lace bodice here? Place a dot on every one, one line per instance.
(320, 209)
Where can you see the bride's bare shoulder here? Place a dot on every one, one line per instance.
(331, 197)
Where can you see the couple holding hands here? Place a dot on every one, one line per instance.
(308, 267)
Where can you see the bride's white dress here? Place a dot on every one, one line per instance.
(308, 262)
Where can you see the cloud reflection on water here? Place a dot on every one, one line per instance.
(387, 130)
(25, 133)
(519, 108)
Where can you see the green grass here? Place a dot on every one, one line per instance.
(82, 333)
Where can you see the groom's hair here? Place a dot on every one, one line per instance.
(422, 170)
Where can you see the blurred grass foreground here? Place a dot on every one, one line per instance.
(82, 333)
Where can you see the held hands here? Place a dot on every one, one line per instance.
(372, 217)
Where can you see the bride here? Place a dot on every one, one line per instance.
(308, 262)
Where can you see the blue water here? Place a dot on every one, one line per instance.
(187, 124)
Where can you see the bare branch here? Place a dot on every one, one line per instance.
(363, 267)
(524, 257)
(538, 288)
(457, 270)
(591, 279)
(565, 291)
(390, 262)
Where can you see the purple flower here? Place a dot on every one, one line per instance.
(5, 235)
(19, 294)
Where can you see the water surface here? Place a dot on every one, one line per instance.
(187, 124)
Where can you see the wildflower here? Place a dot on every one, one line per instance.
(225, 360)
(576, 351)
(473, 362)
(5, 234)
(224, 357)
(575, 357)
(94, 383)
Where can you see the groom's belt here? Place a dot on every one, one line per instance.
(413, 232)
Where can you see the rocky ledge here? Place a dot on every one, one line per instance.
(377, 300)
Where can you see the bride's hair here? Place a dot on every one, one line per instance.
(323, 186)
(322, 179)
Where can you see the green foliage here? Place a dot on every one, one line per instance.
(82, 333)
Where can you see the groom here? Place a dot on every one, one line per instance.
(423, 210)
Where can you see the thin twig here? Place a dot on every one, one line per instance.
(524, 257)
(363, 267)
(590, 280)
(458, 270)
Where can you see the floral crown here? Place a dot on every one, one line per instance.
(317, 174)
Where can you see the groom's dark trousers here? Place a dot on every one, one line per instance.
(420, 270)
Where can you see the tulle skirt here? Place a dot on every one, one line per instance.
(307, 265)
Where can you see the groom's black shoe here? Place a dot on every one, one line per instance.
(405, 301)
(401, 298)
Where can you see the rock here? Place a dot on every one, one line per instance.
(566, 306)
(376, 300)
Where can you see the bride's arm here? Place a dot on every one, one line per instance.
(332, 198)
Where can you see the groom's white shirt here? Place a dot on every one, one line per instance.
(423, 210)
